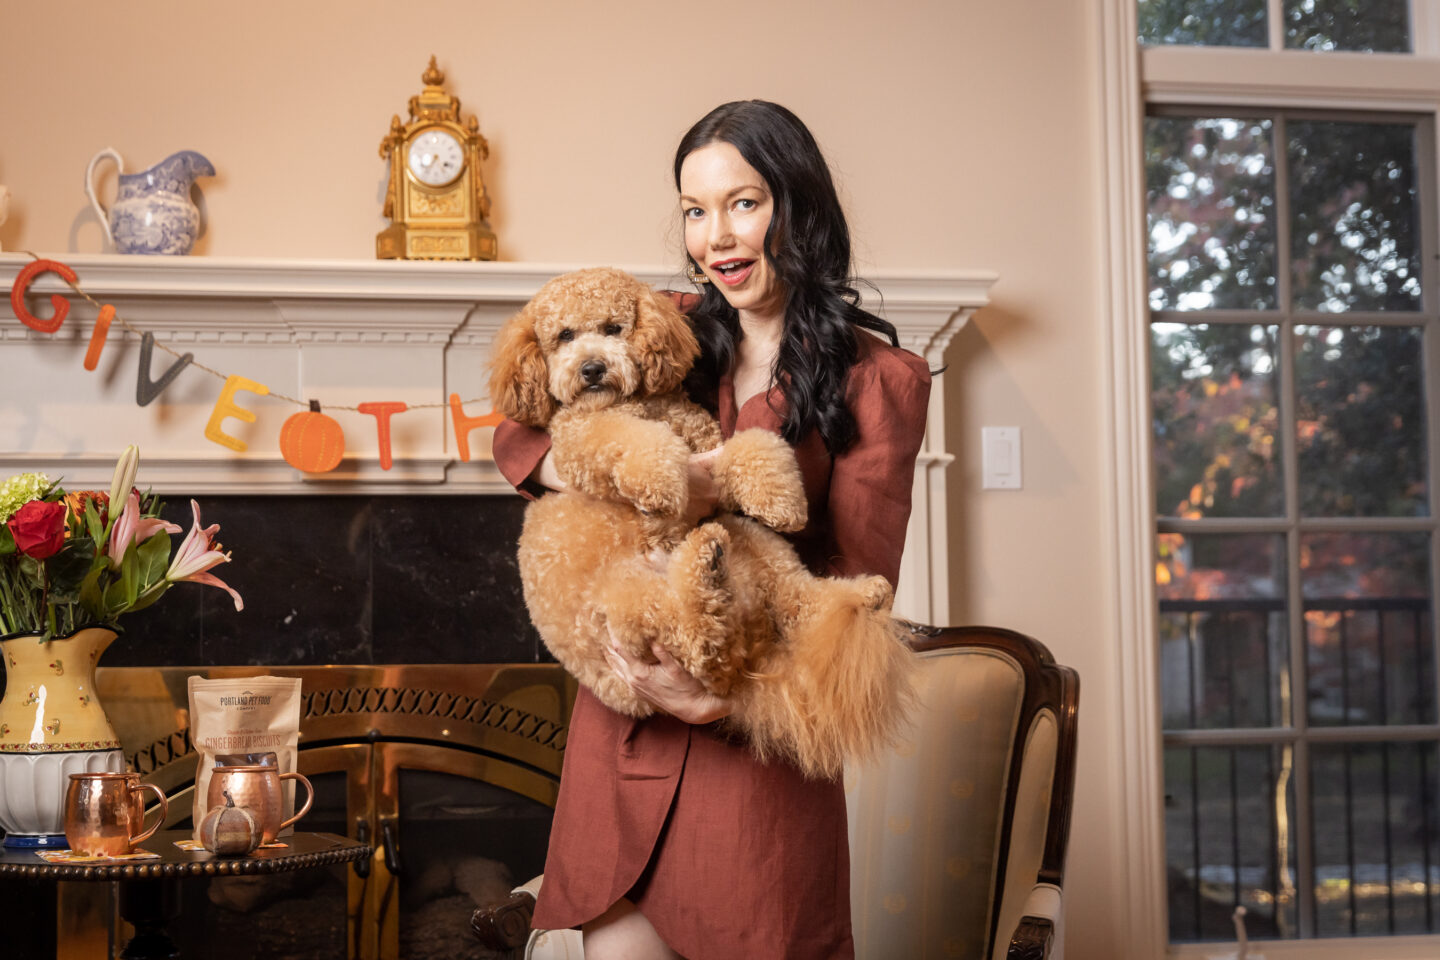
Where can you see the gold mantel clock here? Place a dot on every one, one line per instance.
(436, 198)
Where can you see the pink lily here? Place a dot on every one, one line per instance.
(197, 554)
(133, 528)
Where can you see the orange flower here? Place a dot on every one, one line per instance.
(75, 504)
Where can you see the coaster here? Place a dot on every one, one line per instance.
(193, 846)
(70, 856)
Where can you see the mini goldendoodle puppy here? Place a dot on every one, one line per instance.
(816, 665)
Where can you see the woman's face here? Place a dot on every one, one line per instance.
(727, 207)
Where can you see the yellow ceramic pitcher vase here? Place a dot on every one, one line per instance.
(51, 725)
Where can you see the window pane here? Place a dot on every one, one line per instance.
(1229, 840)
(1355, 239)
(1369, 653)
(1377, 838)
(1210, 190)
(1369, 25)
(1215, 404)
(1360, 421)
(1231, 23)
(1223, 640)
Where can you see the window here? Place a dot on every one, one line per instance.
(1294, 358)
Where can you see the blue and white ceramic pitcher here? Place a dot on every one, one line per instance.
(152, 212)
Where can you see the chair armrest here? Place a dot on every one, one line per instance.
(505, 926)
(1035, 934)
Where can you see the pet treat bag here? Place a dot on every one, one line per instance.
(244, 720)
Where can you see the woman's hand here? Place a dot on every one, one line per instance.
(664, 683)
(703, 493)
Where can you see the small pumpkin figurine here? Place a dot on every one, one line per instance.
(230, 830)
(311, 441)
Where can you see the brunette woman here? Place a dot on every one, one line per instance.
(670, 839)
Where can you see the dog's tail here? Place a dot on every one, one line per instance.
(841, 687)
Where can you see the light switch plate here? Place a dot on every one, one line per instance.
(1000, 457)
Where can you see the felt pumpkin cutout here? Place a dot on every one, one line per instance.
(311, 441)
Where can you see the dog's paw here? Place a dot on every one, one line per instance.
(783, 510)
(876, 593)
(655, 484)
(757, 475)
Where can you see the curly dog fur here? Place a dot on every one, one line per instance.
(815, 663)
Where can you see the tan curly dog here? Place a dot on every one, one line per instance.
(815, 664)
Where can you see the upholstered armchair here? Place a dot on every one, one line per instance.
(958, 834)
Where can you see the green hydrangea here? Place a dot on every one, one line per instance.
(20, 490)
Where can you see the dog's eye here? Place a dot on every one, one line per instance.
(613, 329)
(566, 335)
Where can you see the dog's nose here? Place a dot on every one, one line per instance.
(593, 371)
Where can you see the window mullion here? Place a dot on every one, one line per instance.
(1275, 21)
(1298, 718)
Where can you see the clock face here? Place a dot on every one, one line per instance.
(435, 157)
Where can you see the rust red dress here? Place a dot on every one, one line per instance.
(725, 856)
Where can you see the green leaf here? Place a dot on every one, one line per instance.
(69, 567)
(154, 559)
(92, 598)
(92, 522)
(130, 576)
(7, 541)
(32, 571)
(149, 596)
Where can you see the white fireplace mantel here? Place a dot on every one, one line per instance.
(342, 332)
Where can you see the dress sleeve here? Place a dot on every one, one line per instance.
(870, 484)
(518, 450)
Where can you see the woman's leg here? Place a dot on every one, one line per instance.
(623, 933)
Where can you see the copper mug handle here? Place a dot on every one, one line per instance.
(309, 799)
(135, 791)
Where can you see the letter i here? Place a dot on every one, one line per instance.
(98, 335)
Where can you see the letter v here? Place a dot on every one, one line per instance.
(147, 389)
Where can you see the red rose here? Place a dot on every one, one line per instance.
(39, 529)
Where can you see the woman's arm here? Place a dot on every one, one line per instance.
(870, 484)
(522, 454)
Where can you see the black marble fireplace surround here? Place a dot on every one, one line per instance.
(345, 579)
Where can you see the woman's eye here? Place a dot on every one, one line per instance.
(745, 204)
(612, 329)
(566, 335)
(693, 213)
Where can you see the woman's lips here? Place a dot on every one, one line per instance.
(733, 278)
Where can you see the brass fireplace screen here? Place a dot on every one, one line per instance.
(450, 771)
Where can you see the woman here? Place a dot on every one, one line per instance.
(667, 836)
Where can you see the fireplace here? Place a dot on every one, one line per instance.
(451, 771)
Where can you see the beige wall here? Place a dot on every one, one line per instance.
(963, 134)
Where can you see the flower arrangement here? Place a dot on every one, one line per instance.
(69, 560)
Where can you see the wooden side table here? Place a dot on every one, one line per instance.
(148, 887)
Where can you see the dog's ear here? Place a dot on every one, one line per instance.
(663, 341)
(519, 379)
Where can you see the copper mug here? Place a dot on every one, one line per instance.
(105, 813)
(258, 787)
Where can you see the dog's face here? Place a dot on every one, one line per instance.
(587, 339)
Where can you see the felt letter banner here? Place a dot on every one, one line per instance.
(27, 276)
(382, 413)
(226, 407)
(147, 390)
(98, 335)
(464, 424)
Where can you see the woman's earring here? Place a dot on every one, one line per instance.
(694, 274)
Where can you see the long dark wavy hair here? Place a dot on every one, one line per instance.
(808, 246)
